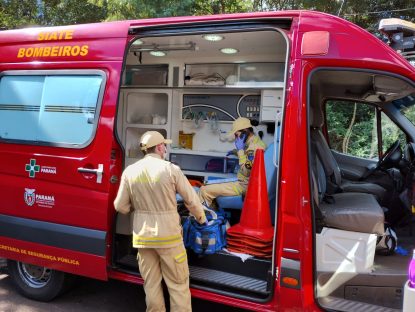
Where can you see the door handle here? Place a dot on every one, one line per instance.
(99, 171)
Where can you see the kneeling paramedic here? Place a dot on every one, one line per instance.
(246, 143)
(149, 187)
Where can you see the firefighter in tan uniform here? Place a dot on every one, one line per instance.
(148, 187)
(246, 143)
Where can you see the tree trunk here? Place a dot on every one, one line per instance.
(348, 134)
(374, 143)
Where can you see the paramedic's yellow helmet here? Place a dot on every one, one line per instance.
(240, 124)
(152, 138)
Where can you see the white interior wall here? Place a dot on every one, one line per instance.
(205, 139)
(269, 46)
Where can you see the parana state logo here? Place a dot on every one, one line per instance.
(31, 198)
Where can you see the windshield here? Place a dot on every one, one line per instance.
(406, 105)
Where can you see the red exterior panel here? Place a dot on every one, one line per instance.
(54, 258)
(83, 204)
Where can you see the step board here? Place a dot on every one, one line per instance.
(230, 280)
(214, 277)
(226, 262)
(344, 305)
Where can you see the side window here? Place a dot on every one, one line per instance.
(352, 128)
(50, 109)
(390, 133)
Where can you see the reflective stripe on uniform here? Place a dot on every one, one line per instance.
(238, 190)
(151, 241)
(242, 159)
(180, 257)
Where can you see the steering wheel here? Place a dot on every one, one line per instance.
(392, 155)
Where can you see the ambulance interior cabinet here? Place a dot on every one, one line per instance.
(132, 137)
(271, 105)
(144, 110)
(146, 75)
(147, 107)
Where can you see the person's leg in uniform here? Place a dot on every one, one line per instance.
(175, 270)
(150, 270)
(208, 193)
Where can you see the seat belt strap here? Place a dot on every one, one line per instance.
(315, 188)
(315, 196)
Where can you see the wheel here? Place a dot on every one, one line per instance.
(36, 282)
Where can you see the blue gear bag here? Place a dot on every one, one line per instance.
(205, 239)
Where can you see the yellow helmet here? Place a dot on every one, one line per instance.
(240, 124)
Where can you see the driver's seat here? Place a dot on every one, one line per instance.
(331, 168)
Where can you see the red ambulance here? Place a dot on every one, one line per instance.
(334, 104)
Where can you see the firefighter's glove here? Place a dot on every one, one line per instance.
(240, 142)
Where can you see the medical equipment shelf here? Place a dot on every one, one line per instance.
(205, 174)
(235, 75)
(146, 126)
(195, 152)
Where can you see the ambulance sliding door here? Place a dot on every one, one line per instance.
(55, 189)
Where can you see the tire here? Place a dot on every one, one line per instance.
(36, 282)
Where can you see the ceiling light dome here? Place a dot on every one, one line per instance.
(250, 68)
(137, 42)
(229, 50)
(158, 53)
(213, 37)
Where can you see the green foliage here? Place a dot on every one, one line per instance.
(221, 7)
(64, 12)
(367, 14)
(409, 113)
(117, 10)
(352, 129)
(135, 9)
(391, 133)
(25, 13)
(14, 14)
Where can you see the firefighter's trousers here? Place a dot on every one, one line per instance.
(208, 193)
(171, 265)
